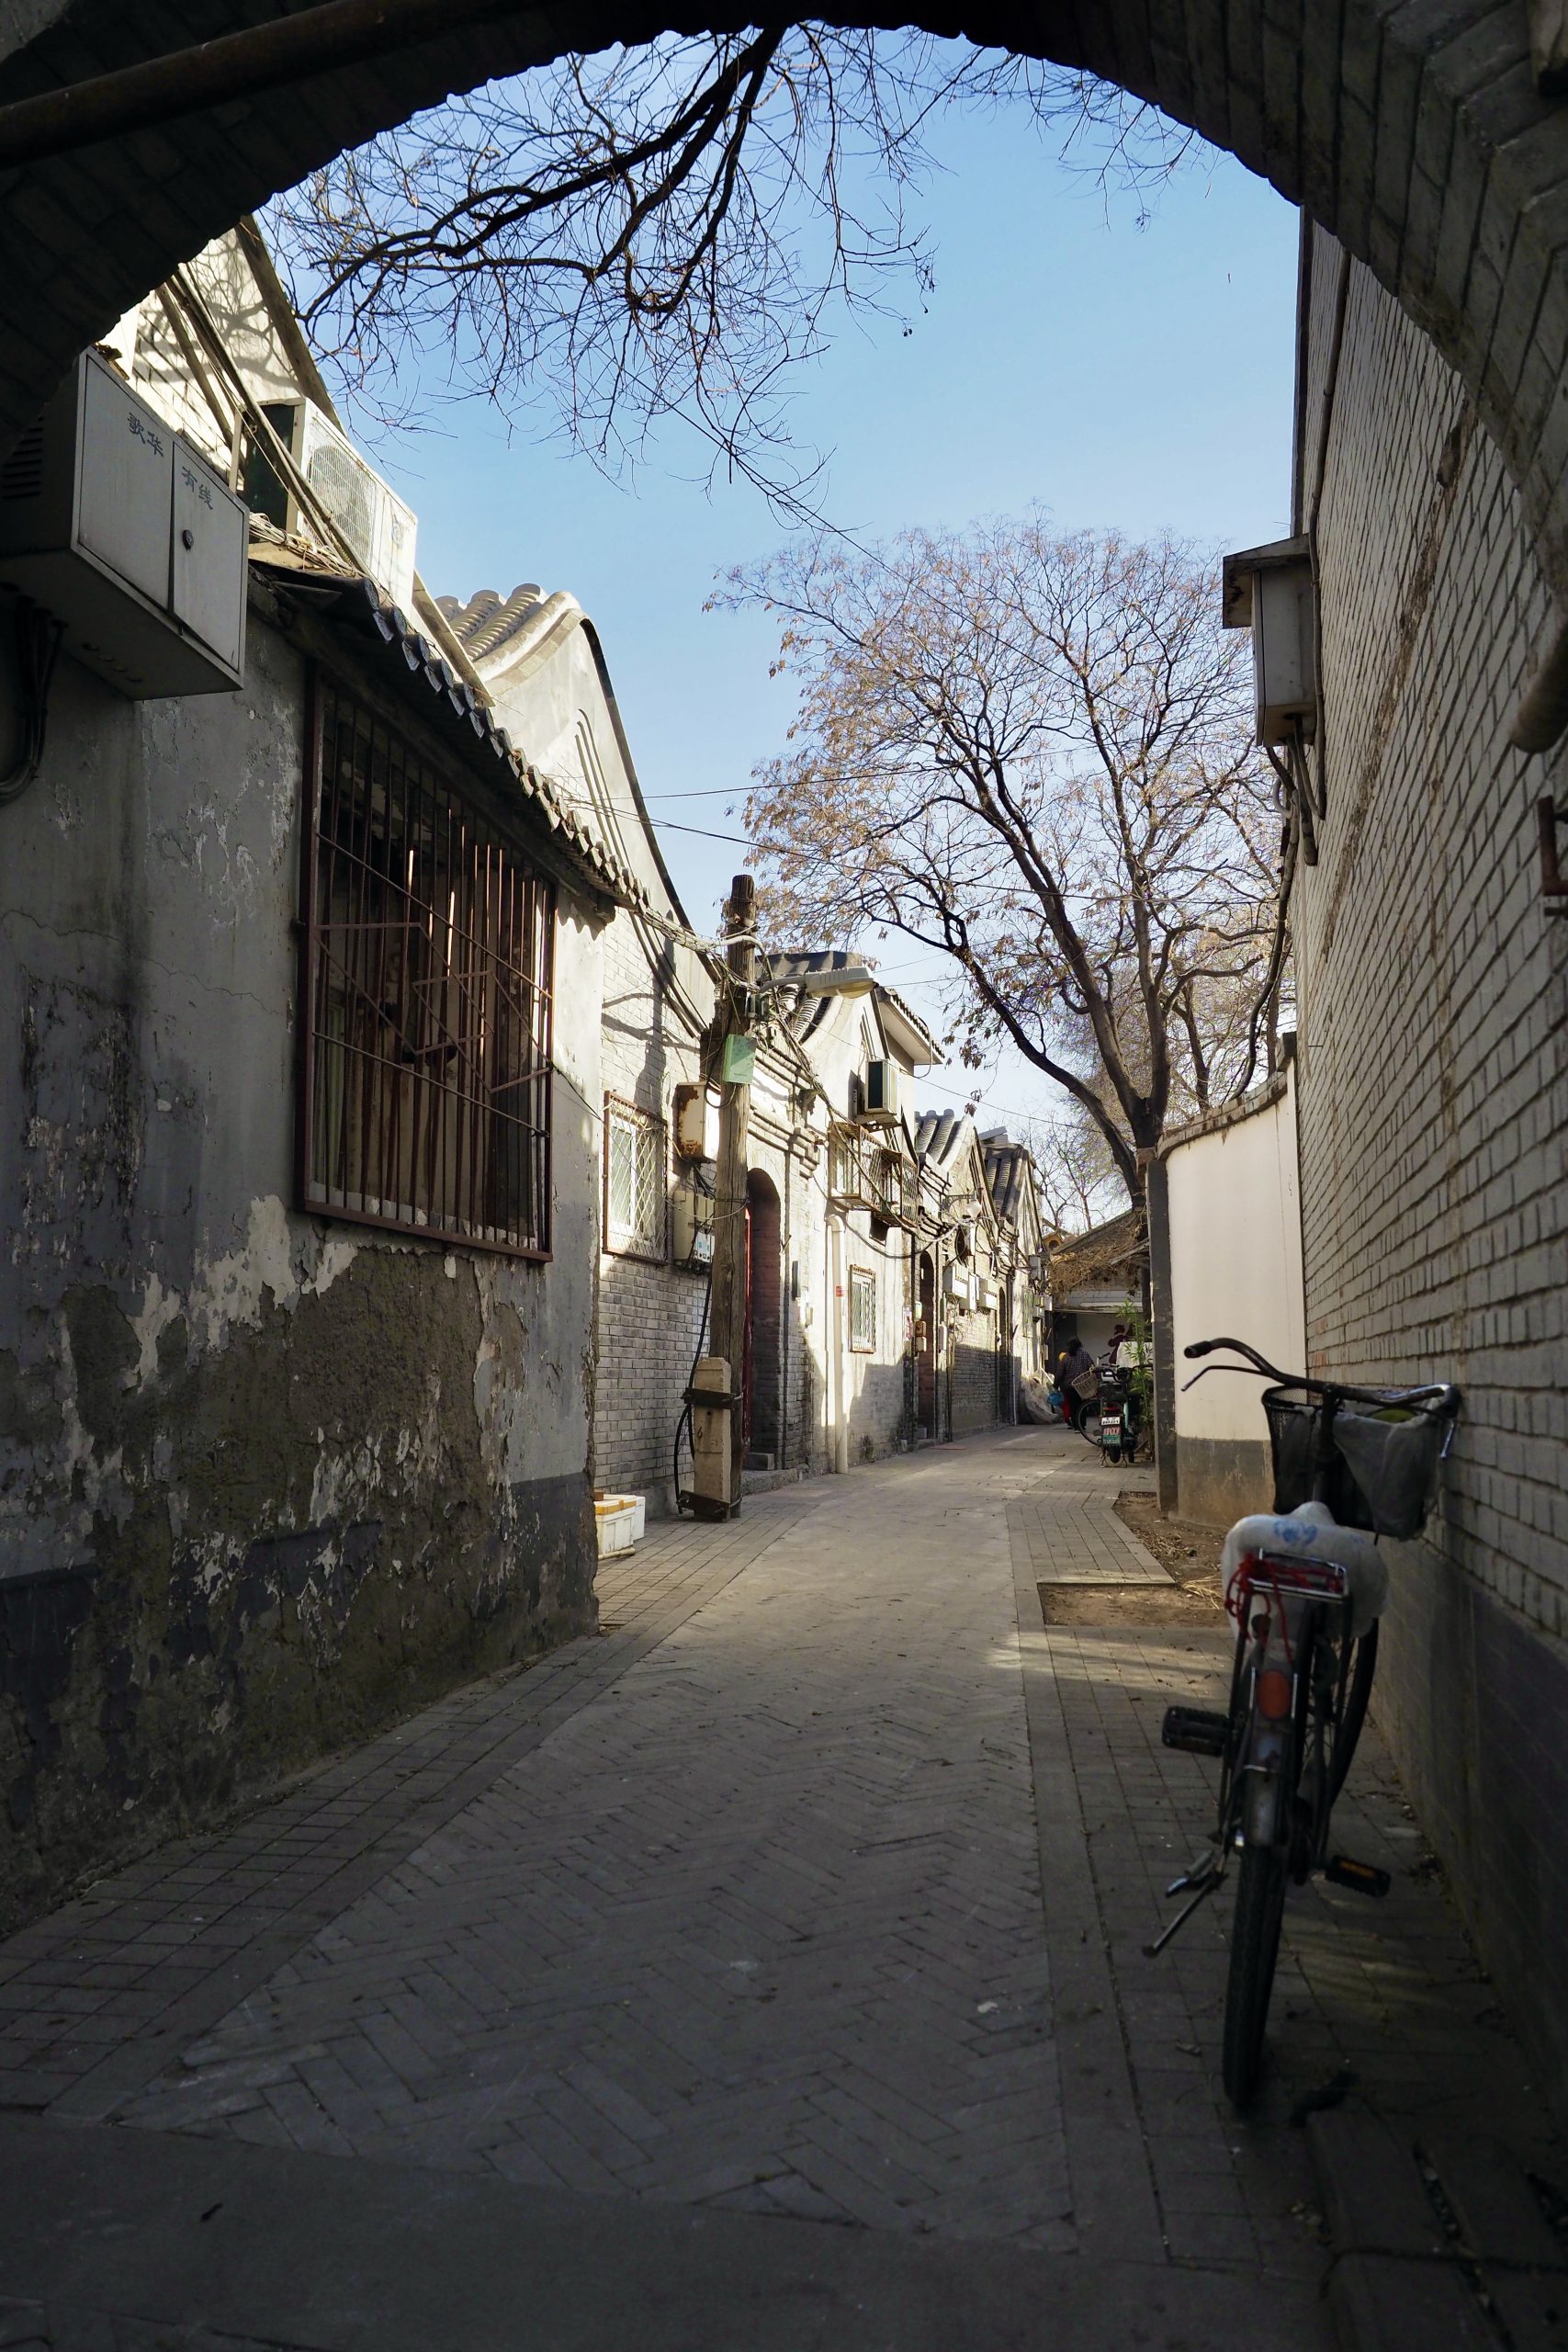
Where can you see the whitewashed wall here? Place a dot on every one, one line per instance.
(1235, 1227)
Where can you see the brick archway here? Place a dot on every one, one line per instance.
(1414, 133)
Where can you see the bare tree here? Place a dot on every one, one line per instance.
(661, 231)
(1035, 753)
(1079, 1182)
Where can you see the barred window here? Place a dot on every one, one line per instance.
(426, 1077)
(635, 1200)
(862, 1310)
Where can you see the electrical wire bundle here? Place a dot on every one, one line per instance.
(38, 635)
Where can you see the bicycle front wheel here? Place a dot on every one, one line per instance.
(1088, 1427)
(1255, 1950)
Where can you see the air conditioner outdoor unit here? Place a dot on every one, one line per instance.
(958, 1283)
(987, 1295)
(113, 523)
(880, 1099)
(372, 517)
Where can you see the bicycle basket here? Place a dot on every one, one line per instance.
(1087, 1385)
(1393, 1451)
(1293, 1440)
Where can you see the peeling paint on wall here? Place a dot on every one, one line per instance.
(264, 1484)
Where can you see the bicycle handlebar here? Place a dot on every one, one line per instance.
(1207, 1347)
(1441, 1396)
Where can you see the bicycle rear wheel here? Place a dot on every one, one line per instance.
(1254, 1950)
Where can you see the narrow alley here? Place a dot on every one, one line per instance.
(811, 1890)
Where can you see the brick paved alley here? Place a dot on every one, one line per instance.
(811, 1892)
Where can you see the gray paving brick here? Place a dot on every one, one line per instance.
(792, 1898)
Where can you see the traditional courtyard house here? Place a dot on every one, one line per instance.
(1096, 1280)
(299, 969)
(542, 661)
(831, 1178)
(862, 1051)
(964, 1269)
(1015, 1196)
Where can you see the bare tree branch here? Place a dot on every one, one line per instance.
(1034, 753)
(662, 230)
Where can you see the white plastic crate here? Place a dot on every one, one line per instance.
(621, 1520)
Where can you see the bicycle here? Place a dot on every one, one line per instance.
(1305, 1586)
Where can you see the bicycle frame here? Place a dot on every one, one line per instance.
(1279, 1605)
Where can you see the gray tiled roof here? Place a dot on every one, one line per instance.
(454, 705)
(484, 623)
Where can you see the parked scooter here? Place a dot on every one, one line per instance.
(1117, 1417)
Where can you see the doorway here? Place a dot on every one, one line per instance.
(762, 1371)
(925, 1349)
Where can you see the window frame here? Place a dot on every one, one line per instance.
(513, 880)
(620, 1107)
(862, 1279)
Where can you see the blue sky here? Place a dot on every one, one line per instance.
(1131, 377)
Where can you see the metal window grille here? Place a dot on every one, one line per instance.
(635, 1201)
(862, 1309)
(428, 945)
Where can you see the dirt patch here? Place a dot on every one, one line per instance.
(1188, 1552)
(1130, 1604)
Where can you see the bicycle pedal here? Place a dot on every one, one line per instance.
(1195, 1729)
(1361, 1878)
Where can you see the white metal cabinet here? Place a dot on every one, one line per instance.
(210, 538)
(95, 505)
(125, 482)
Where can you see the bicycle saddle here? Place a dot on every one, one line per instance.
(1309, 1532)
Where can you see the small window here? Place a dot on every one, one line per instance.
(262, 487)
(634, 1194)
(862, 1310)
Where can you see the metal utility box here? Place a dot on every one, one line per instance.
(738, 1062)
(210, 557)
(696, 1123)
(1269, 590)
(112, 522)
(692, 1223)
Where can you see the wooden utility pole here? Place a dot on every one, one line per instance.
(730, 1269)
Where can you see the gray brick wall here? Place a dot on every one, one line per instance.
(1432, 1100)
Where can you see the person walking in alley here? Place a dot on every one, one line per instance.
(1076, 1361)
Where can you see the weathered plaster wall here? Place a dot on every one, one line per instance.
(1432, 1100)
(265, 1482)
